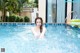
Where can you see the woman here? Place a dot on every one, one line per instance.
(39, 30)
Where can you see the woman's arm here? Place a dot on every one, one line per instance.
(43, 33)
(33, 31)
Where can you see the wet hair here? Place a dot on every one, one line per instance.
(41, 23)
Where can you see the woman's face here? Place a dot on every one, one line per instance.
(38, 22)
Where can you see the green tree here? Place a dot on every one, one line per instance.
(12, 6)
(36, 2)
(20, 5)
(7, 5)
(3, 8)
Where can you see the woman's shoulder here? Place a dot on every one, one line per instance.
(44, 28)
(32, 28)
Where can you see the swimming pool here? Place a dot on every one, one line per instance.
(18, 38)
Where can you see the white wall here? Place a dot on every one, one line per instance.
(69, 6)
(42, 9)
(33, 14)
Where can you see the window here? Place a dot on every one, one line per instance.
(51, 11)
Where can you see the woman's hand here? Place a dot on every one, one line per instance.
(41, 36)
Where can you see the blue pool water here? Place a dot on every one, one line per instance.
(59, 38)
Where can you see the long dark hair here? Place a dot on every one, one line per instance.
(41, 23)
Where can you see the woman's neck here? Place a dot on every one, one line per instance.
(38, 27)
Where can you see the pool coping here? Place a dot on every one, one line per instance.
(28, 23)
(15, 22)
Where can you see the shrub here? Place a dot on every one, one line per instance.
(7, 19)
(21, 19)
(26, 19)
(17, 19)
(12, 18)
(0, 20)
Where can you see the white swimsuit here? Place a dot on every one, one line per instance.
(37, 33)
